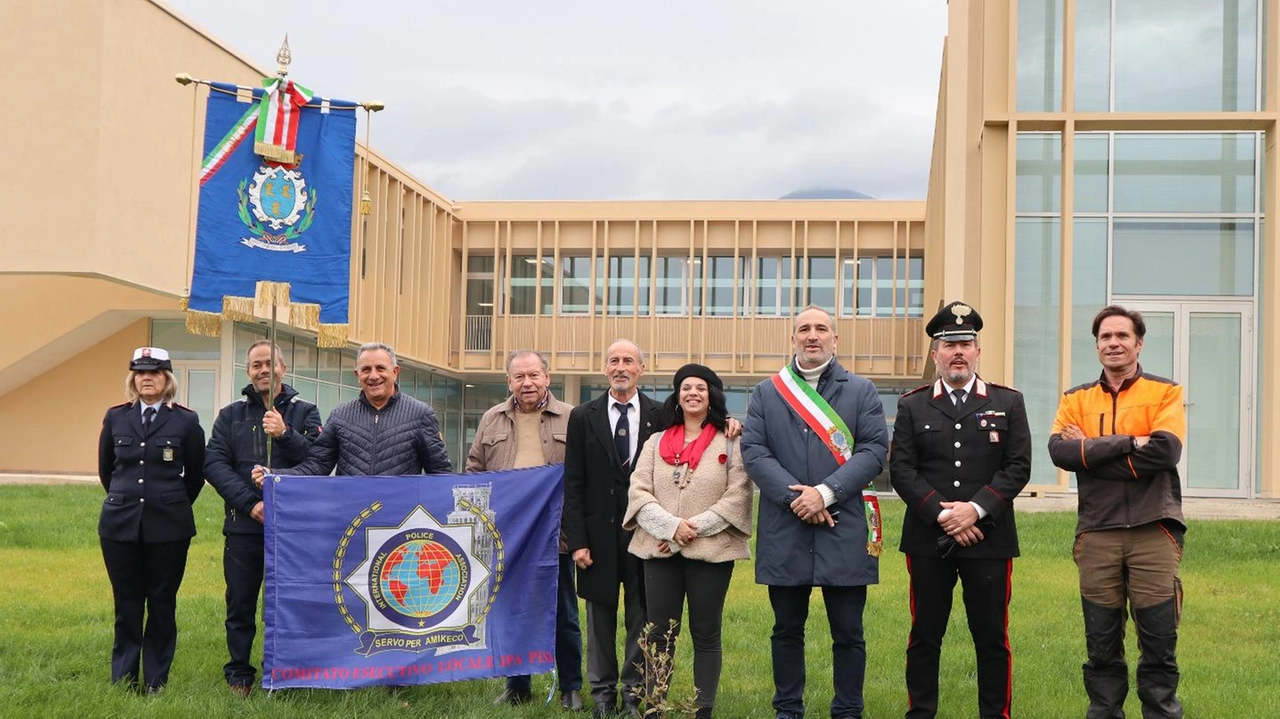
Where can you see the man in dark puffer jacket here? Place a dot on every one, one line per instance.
(382, 432)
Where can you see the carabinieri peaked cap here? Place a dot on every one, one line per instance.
(957, 322)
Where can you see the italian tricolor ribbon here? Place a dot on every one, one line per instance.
(276, 135)
(228, 144)
(822, 418)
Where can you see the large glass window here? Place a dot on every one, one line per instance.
(1202, 172)
(305, 358)
(575, 285)
(547, 281)
(1039, 172)
(774, 286)
(1037, 279)
(1093, 171)
(173, 336)
(1186, 55)
(627, 294)
(672, 285)
(722, 273)
(1088, 295)
(885, 287)
(1039, 55)
(331, 366)
(480, 285)
(821, 282)
(1196, 257)
(1169, 55)
(524, 285)
(1093, 55)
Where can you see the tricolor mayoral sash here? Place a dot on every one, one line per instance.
(274, 221)
(822, 418)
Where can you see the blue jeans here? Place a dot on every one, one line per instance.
(568, 636)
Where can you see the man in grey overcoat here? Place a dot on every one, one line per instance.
(814, 439)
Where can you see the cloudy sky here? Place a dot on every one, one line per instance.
(666, 99)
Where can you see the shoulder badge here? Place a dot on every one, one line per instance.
(1002, 386)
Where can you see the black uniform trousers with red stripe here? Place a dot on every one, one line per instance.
(978, 452)
(986, 585)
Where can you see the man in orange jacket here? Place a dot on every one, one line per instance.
(1122, 435)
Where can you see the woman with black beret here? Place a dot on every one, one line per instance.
(690, 506)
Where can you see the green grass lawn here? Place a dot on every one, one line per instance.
(55, 631)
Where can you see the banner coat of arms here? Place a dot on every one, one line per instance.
(274, 222)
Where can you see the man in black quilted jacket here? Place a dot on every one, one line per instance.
(382, 432)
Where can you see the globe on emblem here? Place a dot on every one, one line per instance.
(420, 578)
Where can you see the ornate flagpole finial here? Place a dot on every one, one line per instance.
(284, 57)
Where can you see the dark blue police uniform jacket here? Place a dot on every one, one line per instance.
(151, 476)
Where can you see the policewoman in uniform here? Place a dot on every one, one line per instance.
(961, 453)
(150, 459)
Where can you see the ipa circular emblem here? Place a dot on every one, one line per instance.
(419, 578)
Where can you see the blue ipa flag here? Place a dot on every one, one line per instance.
(284, 223)
(410, 580)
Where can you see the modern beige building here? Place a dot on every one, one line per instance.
(1046, 110)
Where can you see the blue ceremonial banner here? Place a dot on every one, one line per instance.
(410, 580)
(278, 222)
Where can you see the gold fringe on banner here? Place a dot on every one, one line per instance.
(184, 303)
(208, 324)
(305, 316)
(239, 309)
(276, 153)
(332, 336)
(272, 293)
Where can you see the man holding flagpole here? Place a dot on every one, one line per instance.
(383, 432)
(241, 436)
(814, 439)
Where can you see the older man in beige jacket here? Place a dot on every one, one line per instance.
(528, 430)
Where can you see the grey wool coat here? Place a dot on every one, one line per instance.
(780, 450)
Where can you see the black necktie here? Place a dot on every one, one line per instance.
(959, 395)
(148, 414)
(620, 439)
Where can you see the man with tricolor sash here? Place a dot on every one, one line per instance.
(814, 439)
(961, 454)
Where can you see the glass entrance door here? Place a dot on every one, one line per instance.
(198, 389)
(1207, 347)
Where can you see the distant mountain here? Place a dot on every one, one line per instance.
(825, 193)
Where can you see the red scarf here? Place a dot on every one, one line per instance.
(674, 451)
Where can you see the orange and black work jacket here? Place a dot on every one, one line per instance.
(1119, 485)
